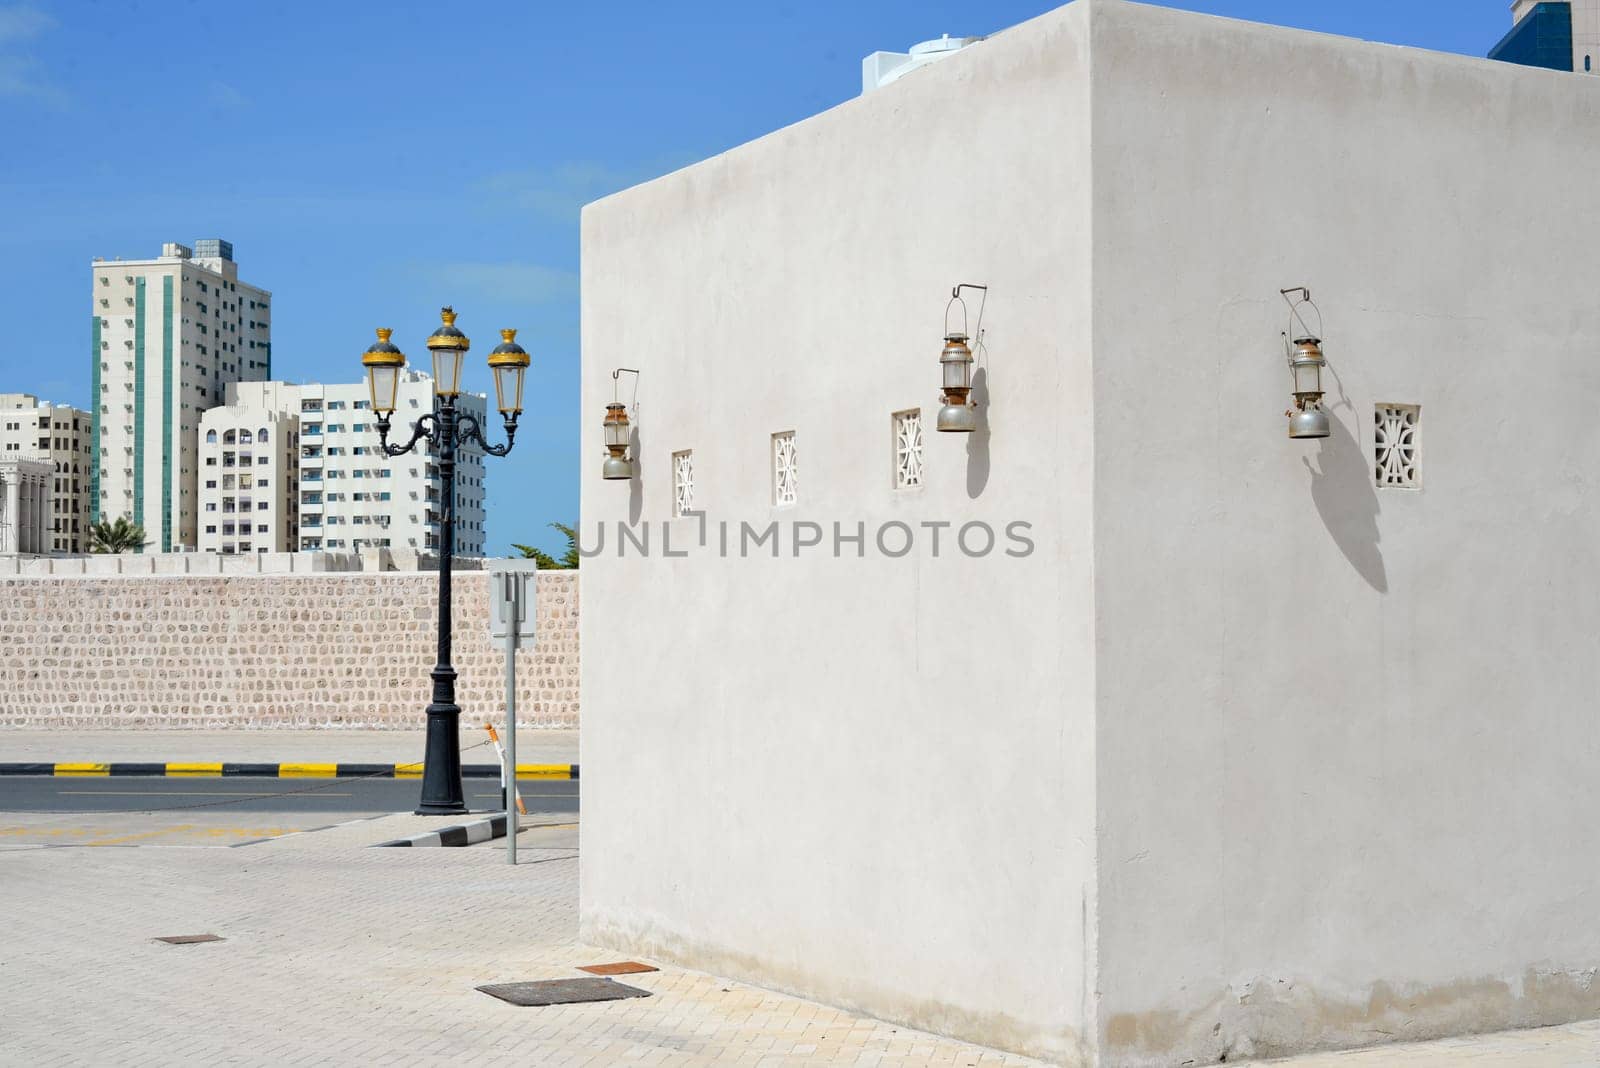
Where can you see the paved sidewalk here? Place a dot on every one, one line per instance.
(268, 747)
(335, 952)
(338, 953)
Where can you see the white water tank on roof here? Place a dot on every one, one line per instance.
(881, 68)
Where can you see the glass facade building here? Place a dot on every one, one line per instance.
(1543, 38)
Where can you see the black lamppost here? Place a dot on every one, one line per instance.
(444, 432)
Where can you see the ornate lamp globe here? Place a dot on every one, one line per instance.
(1306, 363)
(383, 362)
(617, 465)
(957, 415)
(448, 346)
(509, 361)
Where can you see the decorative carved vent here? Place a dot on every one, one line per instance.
(1395, 454)
(784, 471)
(908, 449)
(682, 482)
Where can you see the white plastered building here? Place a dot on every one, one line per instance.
(25, 512)
(1268, 745)
(249, 480)
(351, 496)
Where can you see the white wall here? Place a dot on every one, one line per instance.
(869, 781)
(1346, 735)
(1251, 757)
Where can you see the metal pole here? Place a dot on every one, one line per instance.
(442, 794)
(514, 616)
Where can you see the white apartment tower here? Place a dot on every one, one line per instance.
(170, 335)
(249, 480)
(352, 496)
(34, 430)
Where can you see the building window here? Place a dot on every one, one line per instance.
(1395, 454)
(785, 473)
(682, 482)
(908, 449)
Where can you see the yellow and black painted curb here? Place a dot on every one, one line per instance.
(219, 770)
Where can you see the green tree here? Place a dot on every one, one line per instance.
(122, 536)
(569, 560)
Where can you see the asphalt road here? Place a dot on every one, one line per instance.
(27, 793)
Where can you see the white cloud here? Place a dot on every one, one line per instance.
(558, 192)
(225, 96)
(518, 283)
(20, 23)
(21, 73)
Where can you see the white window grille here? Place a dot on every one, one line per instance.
(1395, 453)
(785, 488)
(682, 482)
(908, 449)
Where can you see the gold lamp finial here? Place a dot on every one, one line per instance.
(448, 314)
(508, 336)
(384, 332)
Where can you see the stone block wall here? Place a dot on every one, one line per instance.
(292, 650)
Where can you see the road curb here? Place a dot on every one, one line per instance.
(460, 835)
(188, 769)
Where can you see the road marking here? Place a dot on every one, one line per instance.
(207, 770)
(308, 771)
(83, 769)
(182, 793)
(142, 834)
(544, 771)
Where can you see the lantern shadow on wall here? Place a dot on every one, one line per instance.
(1345, 498)
(978, 441)
(636, 487)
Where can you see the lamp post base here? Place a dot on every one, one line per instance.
(442, 794)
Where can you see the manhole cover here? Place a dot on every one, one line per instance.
(621, 967)
(562, 991)
(188, 940)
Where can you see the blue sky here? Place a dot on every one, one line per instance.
(372, 161)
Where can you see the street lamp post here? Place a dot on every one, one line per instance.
(444, 432)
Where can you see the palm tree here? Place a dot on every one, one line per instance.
(569, 560)
(122, 536)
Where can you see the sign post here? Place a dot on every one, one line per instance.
(513, 616)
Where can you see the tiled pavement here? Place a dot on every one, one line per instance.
(357, 955)
(337, 953)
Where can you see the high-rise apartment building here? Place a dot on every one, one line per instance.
(169, 336)
(33, 430)
(352, 496)
(249, 480)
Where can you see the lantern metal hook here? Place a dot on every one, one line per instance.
(955, 298)
(1294, 313)
(616, 375)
